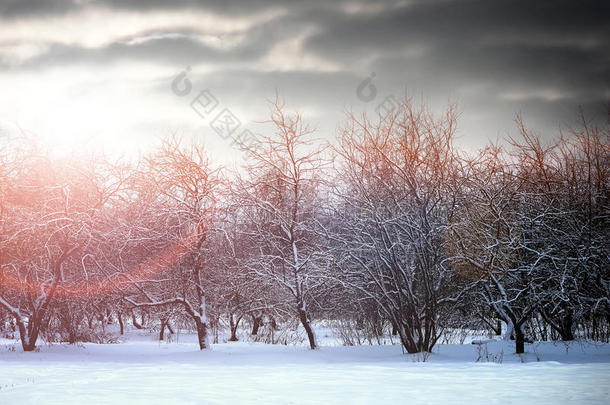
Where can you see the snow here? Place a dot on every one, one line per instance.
(142, 370)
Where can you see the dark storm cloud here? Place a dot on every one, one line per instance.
(555, 40)
(177, 45)
(518, 39)
(532, 41)
(495, 58)
(25, 8)
(466, 22)
(229, 7)
(575, 69)
(20, 8)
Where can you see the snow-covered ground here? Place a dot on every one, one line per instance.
(148, 372)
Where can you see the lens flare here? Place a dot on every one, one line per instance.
(91, 289)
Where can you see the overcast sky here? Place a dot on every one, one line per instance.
(101, 72)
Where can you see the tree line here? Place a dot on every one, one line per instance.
(389, 228)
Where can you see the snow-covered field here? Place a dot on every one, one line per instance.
(142, 371)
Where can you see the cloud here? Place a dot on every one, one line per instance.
(20, 8)
(174, 49)
(494, 59)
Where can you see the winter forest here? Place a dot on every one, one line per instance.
(304, 202)
(391, 230)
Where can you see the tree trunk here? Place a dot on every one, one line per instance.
(510, 326)
(256, 324)
(202, 333)
(162, 331)
(100, 318)
(566, 327)
(121, 326)
(394, 329)
(519, 340)
(233, 325)
(273, 323)
(134, 321)
(28, 343)
(407, 340)
(29, 333)
(307, 326)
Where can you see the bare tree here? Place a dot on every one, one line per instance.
(281, 203)
(173, 214)
(398, 185)
(51, 210)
